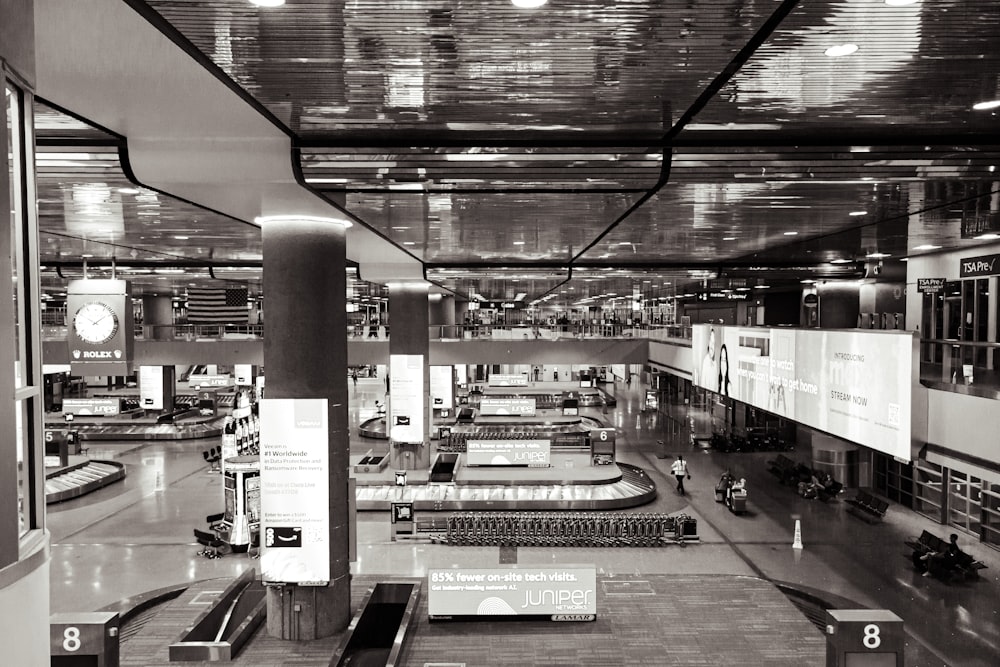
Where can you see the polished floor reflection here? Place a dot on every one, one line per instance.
(135, 536)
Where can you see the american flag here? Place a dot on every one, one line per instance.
(217, 305)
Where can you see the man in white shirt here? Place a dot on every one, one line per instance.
(680, 470)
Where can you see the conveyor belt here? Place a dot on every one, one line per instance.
(80, 479)
(633, 489)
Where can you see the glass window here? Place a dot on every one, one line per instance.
(991, 514)
(15, 176)
(964, 500)
(927, 484)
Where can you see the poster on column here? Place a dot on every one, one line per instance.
(442, 396)
(406, 398)
(151, 387)
(855, 385)
(294, 491)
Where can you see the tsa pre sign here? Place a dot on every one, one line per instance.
(295, 492)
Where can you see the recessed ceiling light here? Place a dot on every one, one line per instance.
(182, 238)
(857, 213)
(927, 246)
(742, 289)
(129, 191)
(839, 50)
(840, 261)
(267, 3)
(807, 281)
(528, 4)
(987, 237)
(762, 287)
(409, 243)
(982, 106)
(518, 242)
(728, 238)
(86, 256)
(900, 3)
(878, 255)
(790, 233)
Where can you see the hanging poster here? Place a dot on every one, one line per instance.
(294, 491)
(406, 398)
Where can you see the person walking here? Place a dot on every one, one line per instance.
(680, 470)
(354, 376)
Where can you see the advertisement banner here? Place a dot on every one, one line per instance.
(294, 490)
(442, 388)
(520, 407)
(499, 380)
(855, 385)
(560, 593)
(151, 387)
(535, 453)
(406, 398)
(104, 407)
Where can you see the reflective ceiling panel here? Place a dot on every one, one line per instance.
(493, 227)
(913, 68)
(480, 169)
(336, 65)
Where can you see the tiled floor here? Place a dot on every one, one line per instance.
(136, 536)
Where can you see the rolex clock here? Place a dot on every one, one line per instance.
(95, 322)
(100, 323)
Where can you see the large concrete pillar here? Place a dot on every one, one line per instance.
(305, 356)
(409, 334)
(441, 311)
(157, 317)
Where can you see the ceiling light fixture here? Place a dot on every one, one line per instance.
(518, 242)
(182, 238)
(528, 4)
(983, 106)
(791, 233)
(878, 255)
(839, 50)
(808, 281)
(129, 191)
(927, 246)
(728, 238)
(855, 214)
(260, 220)
(987, 237)
(267, 3)
(840, 261)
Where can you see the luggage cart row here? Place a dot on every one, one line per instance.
(578, 529)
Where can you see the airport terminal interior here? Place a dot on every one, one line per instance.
(500, 332)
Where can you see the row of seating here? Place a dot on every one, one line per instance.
(809, 482)
(867, 507)
(753, 442)
(553, 529)
(960, 566)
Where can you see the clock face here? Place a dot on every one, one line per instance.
(95, 323)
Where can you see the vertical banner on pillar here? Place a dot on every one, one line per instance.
(243, 374)
(295, 491)
(151, 387)
(406, 398)
(442, 394)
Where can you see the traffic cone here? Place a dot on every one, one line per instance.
(797, 542)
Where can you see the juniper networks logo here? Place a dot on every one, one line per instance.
(308, 414)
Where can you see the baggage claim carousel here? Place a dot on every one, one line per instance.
(570, 482)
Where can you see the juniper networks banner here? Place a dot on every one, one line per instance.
(295, 491)
(856, 385)
(521, 407)
(510, 380)
(442, 383)
(535, 453)
(566, 593)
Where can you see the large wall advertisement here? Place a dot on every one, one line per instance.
(566, 593)
(295, 490)
(856, 385)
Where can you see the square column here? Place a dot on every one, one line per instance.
(409, 417)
